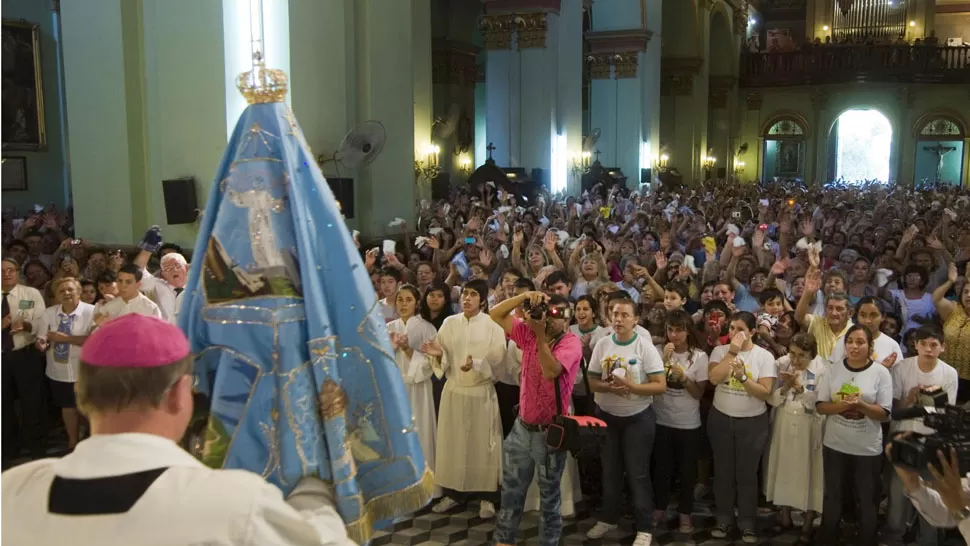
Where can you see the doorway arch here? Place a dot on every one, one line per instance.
(940, 148)
(860, 146)
(784, 149)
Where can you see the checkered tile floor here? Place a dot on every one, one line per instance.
(465, 528)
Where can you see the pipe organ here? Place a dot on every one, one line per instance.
(879, 19)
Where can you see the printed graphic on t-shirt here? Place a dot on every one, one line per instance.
(845, 392)
(736, 385)
(629, 369)
(676, 375)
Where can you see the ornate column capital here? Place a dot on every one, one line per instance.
(677, 75)
(599, 65)
(453, 63)
(720, 90)
(754, 100)
(497, 30)
(531, 28)
(625, 64)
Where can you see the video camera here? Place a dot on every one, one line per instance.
(916, 451)
(537, 312)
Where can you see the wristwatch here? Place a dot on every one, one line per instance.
(744, 378)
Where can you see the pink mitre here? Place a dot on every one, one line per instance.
(135, 341)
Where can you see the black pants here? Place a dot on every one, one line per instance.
(675, 449)
(866, 484)
(24, 380)
(508, 402)
(462, 497)
(963, 391)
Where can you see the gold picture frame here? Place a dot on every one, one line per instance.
(23, 125)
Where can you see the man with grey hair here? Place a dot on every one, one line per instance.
(828, 330)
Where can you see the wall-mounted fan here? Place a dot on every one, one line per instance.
(360, 147)
(589, 143)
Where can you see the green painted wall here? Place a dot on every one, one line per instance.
(46, 170)
(903, 105)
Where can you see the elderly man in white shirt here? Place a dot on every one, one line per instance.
(23, 369)
(130, 482)
(129, 299)
(166, 290)
(61, 331)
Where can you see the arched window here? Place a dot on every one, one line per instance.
(784, 147)
(939, 149)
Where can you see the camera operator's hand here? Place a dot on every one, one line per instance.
(948, 485)
(535, 298)
(911, 481)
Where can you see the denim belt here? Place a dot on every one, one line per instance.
(532, 428)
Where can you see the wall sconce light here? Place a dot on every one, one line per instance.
(581, 163)
(825, 28)
(912, 23)
(430, 168)
(708, 162)
(465, 165)
(738, 167)
(663, 161)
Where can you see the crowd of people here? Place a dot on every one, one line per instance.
(749, 340)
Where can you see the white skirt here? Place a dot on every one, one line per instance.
(794, 475)
(468, 450)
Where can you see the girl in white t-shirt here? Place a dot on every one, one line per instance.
(678, 438)
(587, 330)
(885, 350)
(738, 425)
(625, 373)
(857, 395)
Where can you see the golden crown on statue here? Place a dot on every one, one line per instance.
(262, 85)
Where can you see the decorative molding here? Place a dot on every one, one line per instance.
(497, 30)
(740, 18)
(516, 6)
(942, 113)
(625, 64)
(599, 65)
(754, 100)
(453, 63)
(708, 4)
(677, 75)
(612, 41)
(531, 29)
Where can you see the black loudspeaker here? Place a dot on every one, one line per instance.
(343, 192)
(181, 201)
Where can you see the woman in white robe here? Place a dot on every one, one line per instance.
(408, 333)
(794, 476)
(469, 350)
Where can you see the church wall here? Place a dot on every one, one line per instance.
(953, 25)
(820, 106)
(47, 176)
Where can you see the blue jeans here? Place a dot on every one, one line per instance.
(522, 451)
(901, 513)
(629, 443)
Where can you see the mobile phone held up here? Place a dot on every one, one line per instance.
(469, 240)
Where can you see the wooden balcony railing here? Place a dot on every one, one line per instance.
(856, 63)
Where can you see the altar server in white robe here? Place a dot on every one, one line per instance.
(469, 350)
(408, 333)
(130, 482)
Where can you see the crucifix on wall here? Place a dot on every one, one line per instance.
(940, 151)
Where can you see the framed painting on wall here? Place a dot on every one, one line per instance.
(23, 88)
(14, 173)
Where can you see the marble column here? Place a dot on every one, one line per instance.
(753, 166)
(719, 122)
(533, 80)
(678, 80)
(151, 108)
(617, 105)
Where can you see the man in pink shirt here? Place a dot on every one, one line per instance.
(549, 353)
